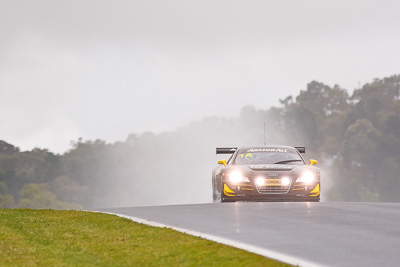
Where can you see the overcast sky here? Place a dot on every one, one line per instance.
(104, 69)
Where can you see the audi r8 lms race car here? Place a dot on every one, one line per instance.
(265, 173)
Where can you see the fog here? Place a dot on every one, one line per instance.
(100, 69)
(175, 168)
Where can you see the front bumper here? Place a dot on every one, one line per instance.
(249, 192)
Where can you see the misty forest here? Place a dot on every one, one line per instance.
(355, 137)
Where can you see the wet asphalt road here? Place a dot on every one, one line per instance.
(333, 234)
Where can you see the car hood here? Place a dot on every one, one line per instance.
(274, 167)
(286, 168)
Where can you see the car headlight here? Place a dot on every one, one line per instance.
(259, 181)
(307, 178)
(237, 177)
(285, 181)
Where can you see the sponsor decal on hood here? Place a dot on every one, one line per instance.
(272, 167)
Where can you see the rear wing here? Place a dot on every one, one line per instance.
(231, 150)
(301, 149)
(226, 150)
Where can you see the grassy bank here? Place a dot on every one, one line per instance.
(77, 238)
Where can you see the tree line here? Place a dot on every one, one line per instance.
(355, 137)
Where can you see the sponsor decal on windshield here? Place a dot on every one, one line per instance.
(280, 150)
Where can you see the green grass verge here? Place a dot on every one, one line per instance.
(77, 238)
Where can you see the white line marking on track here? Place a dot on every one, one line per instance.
(254, 249)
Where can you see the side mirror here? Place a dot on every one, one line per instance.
(222, 162)
(313, 161)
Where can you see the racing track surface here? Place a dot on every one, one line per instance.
(332, 234)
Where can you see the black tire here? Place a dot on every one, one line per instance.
(217, 189)
(216, 196)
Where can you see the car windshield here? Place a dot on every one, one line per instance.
(268, 156)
